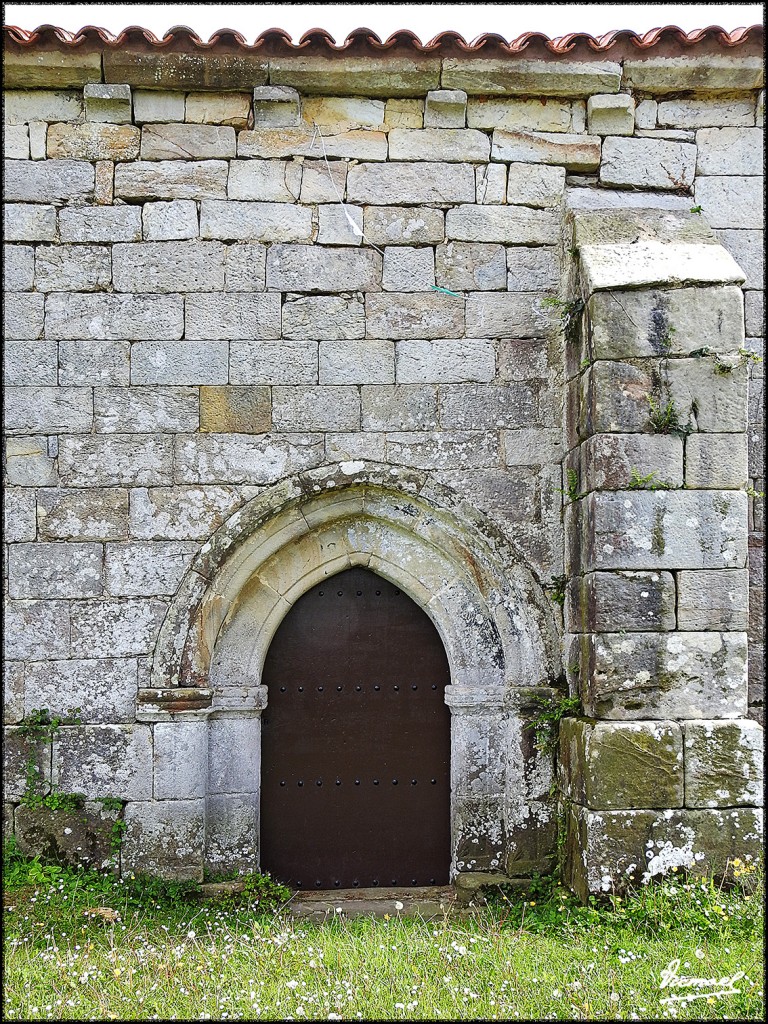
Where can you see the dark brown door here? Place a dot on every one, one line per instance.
(356, 741)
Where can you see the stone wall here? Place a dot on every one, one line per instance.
(211, 291)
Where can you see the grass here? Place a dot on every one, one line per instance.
(538, 955)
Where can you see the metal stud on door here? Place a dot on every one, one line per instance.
(356, 741)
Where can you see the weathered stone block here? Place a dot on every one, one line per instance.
(150, 105)
(512, 225)
(180, 363)
(707, 400)
(93, 362)
(452, 145)
(300, 269)
(445, 361)
(116, 628)
(235, 410)
(491, 315)
(264, 222)
(104, 689)
(413, 315)
(237, 769)
(412, 183)
(729, 151)
(399, 113)
(610, 764)
(341, 113)
(717, 73)
(37, 630)
(320, 408)
(712, 599)
(169, 221)
(532, 269)
(100, 224)
(723, 764)
(275, 106)
(283, 362)
(23, 315)
(245, 268)
(529, 446)
(228, 108)
(486, 407)
(650, 530)
(13, 692)
(168, 267)
(265, 181)
(646, 163)
(82, 514)
(145, 410)
(408, 270)
(620, 461)
(731, 202)
(278, 143)
(323, 317)
(462, 450)
(445, 108)
(519, 114)
(77, 268)
(48, 182)
(180, 513)
(368, 362)
(107, 103)
(187, 142)
(172, 179)
(607, 849)
(48, 410)
(232, 831)
(349, 446)
(665, 675)
(30, 363)
(711, 112)
(24, 223)
(146, 568)
(339, 225)
(93, 141)
(468, 266)
(181, 760)
(534, 185)
(631, 601)
(107, 461)
(653, 322)
(108, 317)
(53, 571)
(19, 521)
(245, 459)
(27, 462)
(754, 313)
(24, 105)
(385, 76)
(81, 838)
(612, 114)
(574, 152)
(323, 182)
(493, 76)
(716, 461)
(16, 142)
(398, 225)
(230, 316)
(400, 407)
(491, 184)
(165, 838)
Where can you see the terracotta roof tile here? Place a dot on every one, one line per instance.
(318, 40)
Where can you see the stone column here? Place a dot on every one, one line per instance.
(664, 768)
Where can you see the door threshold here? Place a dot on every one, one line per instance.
(427, 901)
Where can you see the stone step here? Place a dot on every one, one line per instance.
(418, 901)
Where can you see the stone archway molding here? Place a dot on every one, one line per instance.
(491, 612)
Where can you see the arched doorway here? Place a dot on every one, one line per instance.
(356, 741)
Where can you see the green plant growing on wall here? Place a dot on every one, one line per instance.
(546, 722)
(664, 416)
(571, 489)
(637, 481)
(568, 311)
(557, 588)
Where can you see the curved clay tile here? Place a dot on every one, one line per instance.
(182, 37)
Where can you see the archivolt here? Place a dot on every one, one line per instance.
(490, 612)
